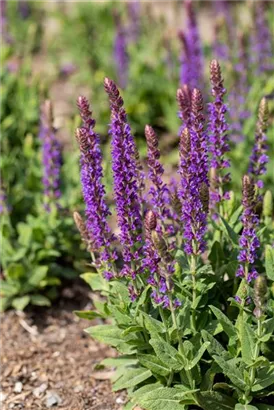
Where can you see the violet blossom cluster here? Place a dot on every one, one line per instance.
(259, 159)
(97, 210)
(120, 52)
(194, 178)
(249, 242)
(51, 157)
(192, 53)
(125, 175)
(218, 137)
(134, 20)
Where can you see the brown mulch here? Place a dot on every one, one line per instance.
(48, 362)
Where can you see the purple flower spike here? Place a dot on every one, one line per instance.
(249, 242)
(193, 194)
(93, 190)
(184, 103)
(218, 136)
(120, 52)
(158, 191)
(259, 159)
(125, 174)
(51, 156)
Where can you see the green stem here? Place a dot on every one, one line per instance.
(194, 294)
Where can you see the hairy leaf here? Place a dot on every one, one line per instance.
(131, 378)
(154, 364)
(167, 354)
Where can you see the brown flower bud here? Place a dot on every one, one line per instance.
(260, 295)
(81, 226)
(204, 195)
(150, 222)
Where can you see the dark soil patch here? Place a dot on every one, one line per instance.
(49, 362)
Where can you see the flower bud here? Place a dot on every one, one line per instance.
(204, 195)
(260, 295)
(81, 226)
(150, 222)
(268, 204)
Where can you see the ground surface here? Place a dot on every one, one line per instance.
(48, 361)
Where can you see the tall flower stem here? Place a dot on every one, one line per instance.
(194, 294)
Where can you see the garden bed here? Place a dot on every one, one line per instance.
(48, 361)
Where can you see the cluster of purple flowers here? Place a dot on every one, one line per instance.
(192, 53)
(259, 159)
(218, 137)
(97, 210)
(249, 242)
(146, 245)
(52, 158)
(194, 178)
(125, 174)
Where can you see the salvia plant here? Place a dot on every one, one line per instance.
(186, 277)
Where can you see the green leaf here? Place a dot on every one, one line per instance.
(87, 314)
(144, 389)
(121, 291)
(198, 357)
(21, 302)
(39, 300)
(265, 378)
(269, 262)
(231, 371)
(133, 329)
(95, 281)
(9, 288)
(142, 298)
(38, 275)
(216, 255)
(25, 234)
(245, 407)
(15, 271)
(265, 407)
(224, 321)
(154, 364)
(214, 346)
(210, 400)
(226, 228)
(132, 378)
(153, 325)
(119, 361)
(109, 334)
(161, 399)
(248, 340)
(167, 354)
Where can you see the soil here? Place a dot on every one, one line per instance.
(48, 361)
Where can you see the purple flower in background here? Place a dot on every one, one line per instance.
(24, 9)
(4, 22)
(93, 190)
(259, 159)
(192, 56)
(262, 40)
(220, 48)
(134, 19)
(194, 179)
(125, 174)
(120, 52)
(249, 242)
(218, 136)
(51, 156)
(158, 191)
